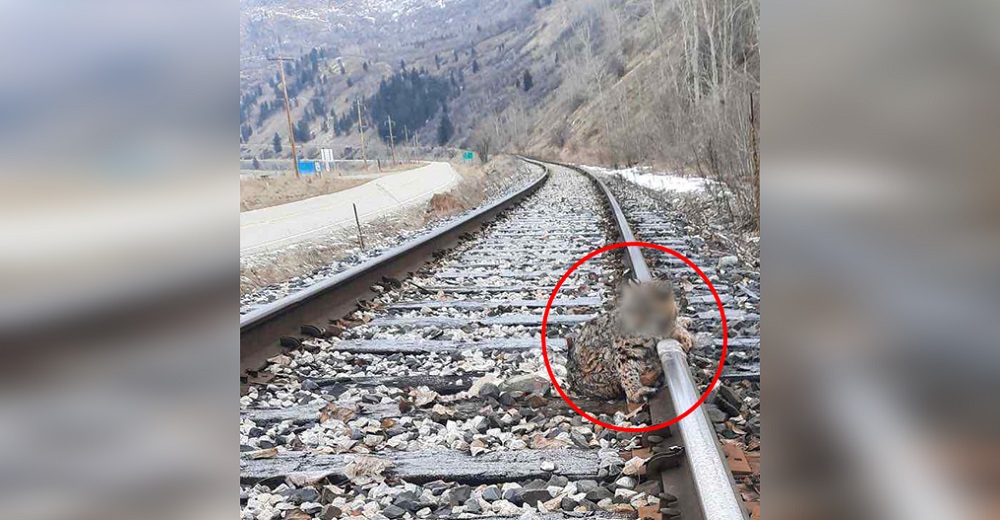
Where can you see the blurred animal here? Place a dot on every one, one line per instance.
(615, 353)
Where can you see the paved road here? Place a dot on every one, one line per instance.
(279, 226)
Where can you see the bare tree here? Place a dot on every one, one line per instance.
(482, 141)
(671, 81)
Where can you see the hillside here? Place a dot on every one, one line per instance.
(602, 81)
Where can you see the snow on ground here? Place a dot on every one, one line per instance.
(644, 176)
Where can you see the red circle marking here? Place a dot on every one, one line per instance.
(722, 359)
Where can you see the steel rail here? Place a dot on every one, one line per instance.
(263, 330)
(704, 473)
(717, 493)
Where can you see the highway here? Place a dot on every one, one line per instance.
(279, 226)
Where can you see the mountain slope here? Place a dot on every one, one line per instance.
(611, 81)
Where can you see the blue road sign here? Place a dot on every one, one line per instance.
(308, 167)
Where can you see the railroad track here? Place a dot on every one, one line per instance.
(733, 407)
(430, 399)
(650, 217)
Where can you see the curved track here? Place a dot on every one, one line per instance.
(430, 399)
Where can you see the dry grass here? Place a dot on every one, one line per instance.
(300, 259)
(471, 191)
(264, 192)
(274, 191)
(714, 222)
(478, 183)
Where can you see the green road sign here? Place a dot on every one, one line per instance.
(468, 156)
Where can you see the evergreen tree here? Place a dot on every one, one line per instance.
(343, 124)
(314, 59)
(475, 66)
(410, 98)
(276, 143)
(528, 82)
(318, 107)
(302, 132)
(445, 129)
(365, 66)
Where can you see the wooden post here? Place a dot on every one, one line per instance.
(357, 221)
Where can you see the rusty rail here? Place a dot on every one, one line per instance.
(263, 330)
(703, 472)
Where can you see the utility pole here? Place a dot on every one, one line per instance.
(361, 125)
(288, 112)
(392, 141)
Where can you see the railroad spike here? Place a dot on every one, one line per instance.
(314, 331)
(664, 458)
(290, 342)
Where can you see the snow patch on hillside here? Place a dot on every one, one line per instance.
(659, 181)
